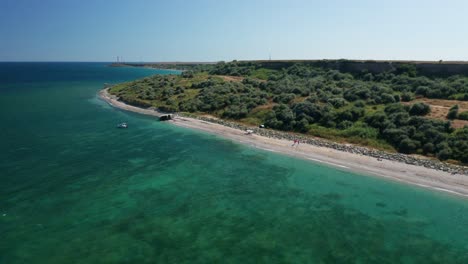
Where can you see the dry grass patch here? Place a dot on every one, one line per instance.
(441, 107)
(230, 78)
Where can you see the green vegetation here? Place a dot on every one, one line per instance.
(362, 108)
(453, 112)
(463, 115)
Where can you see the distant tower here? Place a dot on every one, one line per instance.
(269, 55)
(118, 59)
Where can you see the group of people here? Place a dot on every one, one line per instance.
(296, 143)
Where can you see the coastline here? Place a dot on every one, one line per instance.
(398, 171)
(145, 66)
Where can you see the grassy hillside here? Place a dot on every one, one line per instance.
(390, 110)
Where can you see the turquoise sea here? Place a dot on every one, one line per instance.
(74, 189)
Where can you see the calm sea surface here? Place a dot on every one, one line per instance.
(74, 189)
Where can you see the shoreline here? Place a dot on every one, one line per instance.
(143, 66)
(417, 175)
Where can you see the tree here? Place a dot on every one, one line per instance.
(312, 112)
(187, 74)
(463, 115)
(408, 146)
(406, 97)
(337, 102)
(422, 90)
(302, 125)
(420, 109)
(394, 108)
(284, 98)
(445, 153)
(458, 143)
(285, 116)
(453, 112)
(407, 69)
(388, 98)
(428, 148)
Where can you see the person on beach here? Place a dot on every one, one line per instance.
(295, 141)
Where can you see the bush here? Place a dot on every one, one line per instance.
(453, 112)
(337, 102)
(428, 148)
(361, 131)
(387, 98)
(463, 115)
(422, 90)
(187, 74)
(302, 125)
(444, 153)
(459, 145)
(283, 98)
(406, 97)
(344, 124)
(408, 146)
(359, 103)
(394, 108)
(420, 109)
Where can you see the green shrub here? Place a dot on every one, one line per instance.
(463, 115)
(453, 112)
(361, 131)
(408, 146)
(406, 97)
(420, 109)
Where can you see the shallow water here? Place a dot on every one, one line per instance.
(74, 189)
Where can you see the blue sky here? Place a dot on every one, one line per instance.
(214, 30)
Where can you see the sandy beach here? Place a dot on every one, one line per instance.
(416, 175)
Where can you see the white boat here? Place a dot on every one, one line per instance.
(122, 125)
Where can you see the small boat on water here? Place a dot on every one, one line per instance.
(122, 125)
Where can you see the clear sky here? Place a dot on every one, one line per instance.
(214, 30)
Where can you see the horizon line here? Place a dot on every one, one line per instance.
(241, 60)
